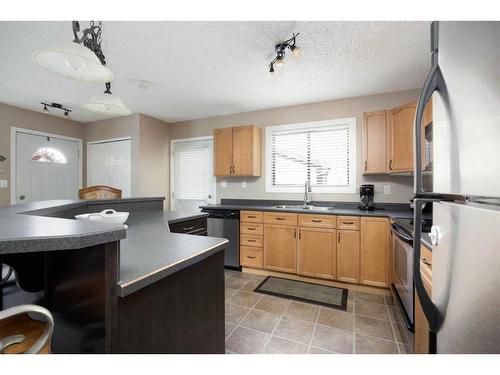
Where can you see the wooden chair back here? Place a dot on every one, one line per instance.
(99, 192)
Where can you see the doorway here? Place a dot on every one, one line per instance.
(192, 181)
(44, 166)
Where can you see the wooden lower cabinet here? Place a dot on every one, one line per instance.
(374, 254)
(252, 257)
(348, 256)
(317, 252)
(280, 248)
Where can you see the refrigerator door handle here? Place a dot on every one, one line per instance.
(434, 82)
(431, 312)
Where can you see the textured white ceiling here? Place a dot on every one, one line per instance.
(203, 69)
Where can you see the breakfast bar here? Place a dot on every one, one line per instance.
(134, 288)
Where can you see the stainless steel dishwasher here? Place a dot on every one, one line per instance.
(226, 224)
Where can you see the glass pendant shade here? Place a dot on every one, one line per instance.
(74, 61)
(107, 104)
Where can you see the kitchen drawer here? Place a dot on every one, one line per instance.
(319, 221)
(195, 226)
(253, 241)
(251, 217)
(251, 257)
(348, 222)
(250, 228)
(284, 218)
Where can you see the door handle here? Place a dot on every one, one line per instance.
(433, 82)
(338, 237)
(390, 165)
(366, 165)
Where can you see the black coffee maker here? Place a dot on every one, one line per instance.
(366, 194)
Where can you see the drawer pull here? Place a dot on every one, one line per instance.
(252, 216)
(426, 262)
(251, 228)
(348, 222)
(280, 218)
(188, 228)
(316, 220)
(250, 257)
(252, 240)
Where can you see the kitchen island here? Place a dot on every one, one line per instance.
(114, 289)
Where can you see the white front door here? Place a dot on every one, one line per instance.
(47, 167)
(108, 163)
(192, 176)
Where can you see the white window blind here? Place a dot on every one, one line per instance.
(191, 166)
(322, 153)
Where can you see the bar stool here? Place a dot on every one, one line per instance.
(21, 333)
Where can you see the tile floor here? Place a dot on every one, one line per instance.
(258, 323)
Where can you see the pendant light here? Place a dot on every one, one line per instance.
(107, 104)
(80, 60)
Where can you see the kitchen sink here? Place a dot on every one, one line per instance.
(304, 207)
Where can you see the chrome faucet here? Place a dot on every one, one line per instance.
(307, 189)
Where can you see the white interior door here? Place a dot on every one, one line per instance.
(47, 167)
(108, 163)
(192, 176)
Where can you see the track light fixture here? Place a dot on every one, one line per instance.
(56, 106)
(280, 49)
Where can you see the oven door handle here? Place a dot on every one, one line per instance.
(400, 234)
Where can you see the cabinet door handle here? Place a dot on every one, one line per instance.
(348, 222)
(316, 220)
(250, 257)
(338, 237)
(300, 234)
(280, 218)
(425, 261)
(366, 165)
(295, 233)
(390, 165)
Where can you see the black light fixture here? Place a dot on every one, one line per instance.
(56, 106)
(280, 52)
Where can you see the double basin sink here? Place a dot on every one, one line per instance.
(305, 207)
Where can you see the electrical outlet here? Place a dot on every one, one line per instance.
(387, 189)
(244, 184)
(3, 184)
(223, 184)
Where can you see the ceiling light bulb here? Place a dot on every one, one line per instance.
(296, 51)
(107, 104)
(45, 109)
(279, 63)
(74, 61)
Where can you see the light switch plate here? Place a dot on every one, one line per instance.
(223, 184)
(387, 189)
(3, 184)
(244, 184)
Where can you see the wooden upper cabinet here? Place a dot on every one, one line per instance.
(237, 151)
(374, 142)
(348, 256)
(223, 151)
(280, 248)
(374, 259)
(317, 252)
(400, 137)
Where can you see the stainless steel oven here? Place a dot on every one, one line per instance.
(402, 271)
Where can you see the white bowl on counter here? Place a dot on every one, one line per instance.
(108, 216)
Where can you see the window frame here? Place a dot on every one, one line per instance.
(351, 189)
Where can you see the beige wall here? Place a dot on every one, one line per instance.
(154, 158)
(401, 187)
(21, 118)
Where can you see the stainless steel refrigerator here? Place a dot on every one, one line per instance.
(464, 83)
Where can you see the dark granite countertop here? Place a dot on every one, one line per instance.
(173, 217)
(389, 210)
(148, 251)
